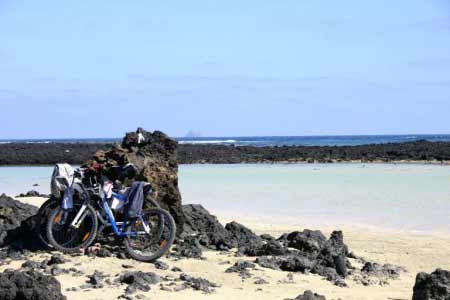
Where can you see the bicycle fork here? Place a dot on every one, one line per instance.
(145, 225)
(79, 218)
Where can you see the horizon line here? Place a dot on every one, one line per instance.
(234, 136)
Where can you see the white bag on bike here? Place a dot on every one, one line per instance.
(117, 203)
(62, 178)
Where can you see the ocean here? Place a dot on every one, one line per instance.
(411, 197)
(349, 140)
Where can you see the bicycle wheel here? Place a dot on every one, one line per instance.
(41, 220)
(152, 203)
(66, 238)
(144, 240)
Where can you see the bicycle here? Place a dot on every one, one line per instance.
(53, 202)
(146, 237)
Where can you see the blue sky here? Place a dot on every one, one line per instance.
(224, 68)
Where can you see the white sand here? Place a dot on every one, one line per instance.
(416, 252)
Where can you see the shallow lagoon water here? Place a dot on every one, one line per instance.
(397, 196)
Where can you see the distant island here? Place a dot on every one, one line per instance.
(76, 153)
(193, 134)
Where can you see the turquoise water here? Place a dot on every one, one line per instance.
(410, 197)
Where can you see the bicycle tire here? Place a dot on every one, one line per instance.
(84, 242)
(41, 220)
(169, 225)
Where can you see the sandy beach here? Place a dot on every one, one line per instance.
(415, 251)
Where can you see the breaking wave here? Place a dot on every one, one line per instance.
(208, 142)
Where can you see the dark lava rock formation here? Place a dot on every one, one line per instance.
(139, 281)
(189, 247)
(13, 212)
(308, 295)
(313, 252)
(299, 251)
(16, 222)
(209, 232)
(241, 267)
(243, 236)
(48, 154)
(78, 153)
(155, 156)
(29, 285)
(198, 283)
(434, 286)
(32, 193)
(389, 152)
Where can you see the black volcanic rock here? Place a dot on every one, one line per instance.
(329, 253)
(241, 267)
(32, 193)
(308, 295)
(313, 253)
(189, 247)
(48, 154)
(387, 271)
(242, 235)
(155, 157)
(308, 241)
(139, 281)
(269, 248)
(78, 153)
(13, 212)
(29, 285)
(334, 253)
(16, 221)
(389, 152)
(210, 233)
(434, 286)
(198, 283)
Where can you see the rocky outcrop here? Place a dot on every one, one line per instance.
(48, 154)
(13, 212)
(434, 286)
(308, 295)
(306, 251)
(198, 283)
(139, 281)
(243, 236)
(269, 248)
(389, 152)
(188, 247)
(29, 285)
(32, 193)
(241, 267)
(210, 233)
(16, 221)
(155, 156)
(325, 254)
(78, 153)
(299, 251)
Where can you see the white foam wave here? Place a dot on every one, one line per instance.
(208, 142)
(38, 142)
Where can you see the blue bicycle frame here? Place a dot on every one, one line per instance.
(119, 231)
(112, 220)
(118, 227)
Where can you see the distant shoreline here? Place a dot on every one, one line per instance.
(77, 153)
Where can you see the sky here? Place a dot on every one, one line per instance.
(79, 69)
